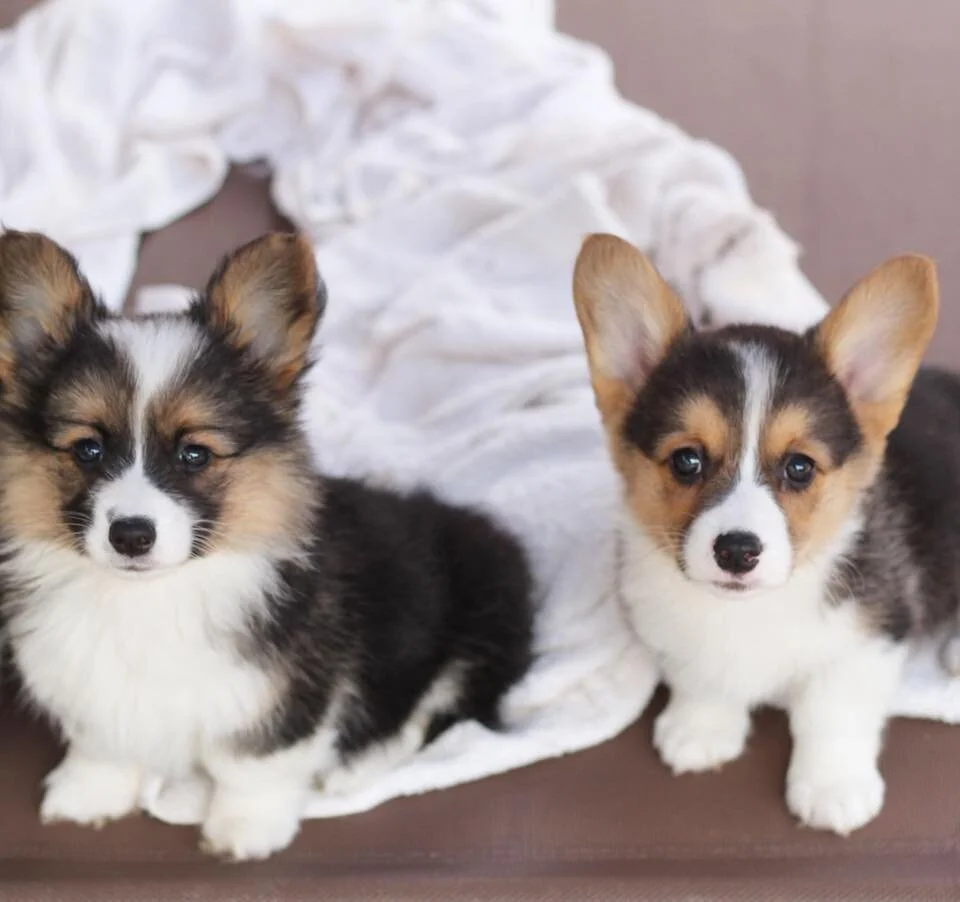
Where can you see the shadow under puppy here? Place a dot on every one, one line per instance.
(182, 590)
(783, 535)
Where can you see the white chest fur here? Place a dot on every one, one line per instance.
(755, 648)
(144, 670)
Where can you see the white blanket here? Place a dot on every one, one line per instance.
(447, 156)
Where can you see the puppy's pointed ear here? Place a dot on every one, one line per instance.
(629, 317)
(267, 299)
(42, 297)
(874, 339)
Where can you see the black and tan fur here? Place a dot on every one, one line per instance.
(183, 590)
(791, 513)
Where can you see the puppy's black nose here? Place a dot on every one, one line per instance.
(132, 536)
(737, 552)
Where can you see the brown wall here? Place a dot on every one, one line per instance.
(843, 113)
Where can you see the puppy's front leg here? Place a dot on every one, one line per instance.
(90, 788)
(837, 719)
(257, 800)
(699, 732)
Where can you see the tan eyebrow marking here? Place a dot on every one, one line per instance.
(65, 433)
(703, 423)
(790, 429)
(217, 440)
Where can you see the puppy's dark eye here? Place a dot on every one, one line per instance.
(87, 451)
(798, 470)
(687, 465)
(194, 457)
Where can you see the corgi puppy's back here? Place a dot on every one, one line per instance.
(778, 547)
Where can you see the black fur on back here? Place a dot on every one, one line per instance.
(399, 590)
(905, 566)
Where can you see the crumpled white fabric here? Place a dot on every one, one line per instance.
(447, 157)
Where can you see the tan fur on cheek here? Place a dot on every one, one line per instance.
(658, 503)
(266, 499)
(35, 487)
(816, 514)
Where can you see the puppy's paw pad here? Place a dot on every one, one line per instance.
(841, 805)
(242, 837)
(89, 794)
(689, 741)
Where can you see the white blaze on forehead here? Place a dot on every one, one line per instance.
(157, 352)
(750, 506)
(759, 373)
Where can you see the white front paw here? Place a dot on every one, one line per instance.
(89, 792)
(243, 829)
(699, 737)
(828, 801)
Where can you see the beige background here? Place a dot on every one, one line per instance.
(843, 113)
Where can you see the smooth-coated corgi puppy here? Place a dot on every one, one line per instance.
(781, 538)
(182, 590)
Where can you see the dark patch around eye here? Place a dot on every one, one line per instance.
(698, 364)
(247, 409)
(87, 380)
(201, 491)
(804, 380)
(87, 372)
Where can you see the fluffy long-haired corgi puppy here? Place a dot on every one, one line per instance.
(782, 535)
(183, 591)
